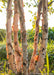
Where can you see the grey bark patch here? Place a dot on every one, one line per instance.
(10, 13)
(9, 44)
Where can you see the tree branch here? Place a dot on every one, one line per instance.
(35, 2)
(50, 3)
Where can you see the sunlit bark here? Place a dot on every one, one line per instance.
(42, 52)
(8, 35)
(23, 36)
(35, 52)
(18, 51)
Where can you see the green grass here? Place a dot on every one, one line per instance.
(2, 43)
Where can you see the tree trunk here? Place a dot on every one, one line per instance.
(42, 52)
(35, 52)
(23, 37)
(8, 35)
(18, 51)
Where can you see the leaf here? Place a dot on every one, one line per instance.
(30, 11)
(30, 20)
(44, 70)
(52, 71)
(0, 10)
(41, 72)
(35, 18)
(47, 64)
(2, 7)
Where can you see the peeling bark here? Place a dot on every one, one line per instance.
(35, 52)
(8, 35)
(42, 52)
(18, 51)
(23, 37)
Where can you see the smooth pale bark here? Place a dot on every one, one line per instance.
(35, 52)
(42, 53)
(8, 35)
(18, 51)
(23, 37)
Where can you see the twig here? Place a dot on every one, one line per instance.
(35, 2)
(50, 3)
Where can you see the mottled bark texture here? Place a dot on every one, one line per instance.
(18, 51)
(42, 52)
(8, 35)
(23, 37)
(35, 52)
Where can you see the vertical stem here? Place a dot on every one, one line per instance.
(8, 35)
(23, 35)
(18, 52)
(42, 52)
(32, 62)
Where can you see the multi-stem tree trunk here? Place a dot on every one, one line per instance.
(35, 52)
(8, 35)
(18, 52)
(23, 35)
(42, 52)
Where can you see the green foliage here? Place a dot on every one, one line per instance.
(2, 52)
(50, 33)
(2, 34)
(30, 35)
(0, 10)
(5, 70)
(3, 4)
(50, 51)
(30, 48)
(19, 36)
(47, 60)
(49, 56)
(44, 71)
